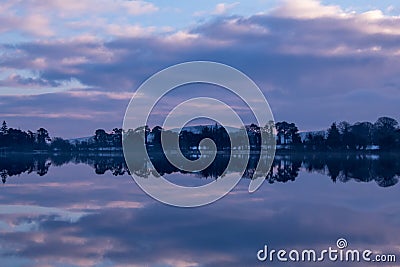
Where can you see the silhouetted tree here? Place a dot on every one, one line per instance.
(269, 133)
(315, 141)
(333, 138)
(3, 133)
(362, 134)
(156, 132)
(18, 140)
(100, 137)
(117, 137)
(254, 134)
(289, 132)
(3, 175)
(347, 136)
(42, 137)
(282, 129)
(294, 134)
(61, 144)
(222, 138)
(146, 133)
(134, 139)
(398, 138)
(385, 132)
(169, 136)
(4, 128)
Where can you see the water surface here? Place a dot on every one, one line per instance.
(87, 211)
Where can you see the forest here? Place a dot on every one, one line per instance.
(384, 134)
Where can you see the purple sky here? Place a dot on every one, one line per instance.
(72, 66)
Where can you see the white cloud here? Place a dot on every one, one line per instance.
(139, 7)
(375, 22)
(235, 26)
(37, 25)
(74, 60)
(88, 7)
(126, 31)
(372, 15)
(95, 94)
(391, 8)
(39, 63)
(181, 36)
(31, 24)
(222, 8)
(114, 29)
(306, 9)
(371, 22)
(47, 18)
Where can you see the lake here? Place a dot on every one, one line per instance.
(86, 210)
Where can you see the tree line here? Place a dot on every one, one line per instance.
(17, 139)
(383, 134)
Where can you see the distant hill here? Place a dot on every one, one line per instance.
(89, 139)
(199, 128)
(303, 135)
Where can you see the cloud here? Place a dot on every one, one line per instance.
(69, 114)
(37, 25)
(139, 7)
(128, 31)
(95, 94)
(301, 59)
(372, 21)
(181, 37)
(307, 9)
(48, 18)
(219, 9)
(76, 7)
(31, 24)
(222, 8)
(19, 81)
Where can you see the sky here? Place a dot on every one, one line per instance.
(73, 66)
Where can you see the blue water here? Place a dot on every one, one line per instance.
(74, 217)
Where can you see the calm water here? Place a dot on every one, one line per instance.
(87, 211)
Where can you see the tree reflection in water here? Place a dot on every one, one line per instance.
(383, 168)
